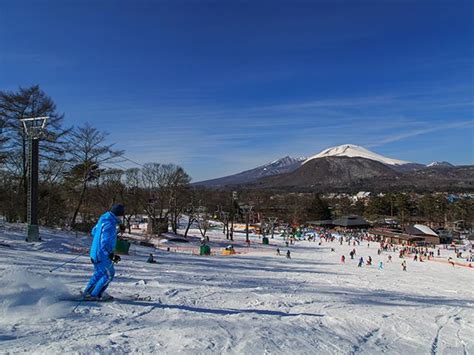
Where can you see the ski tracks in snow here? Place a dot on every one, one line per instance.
(453, 334)
(363, 340)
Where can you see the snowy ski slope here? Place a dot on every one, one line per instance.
(252, 303)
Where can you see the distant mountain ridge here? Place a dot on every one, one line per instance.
(356, 174)
(276, 167)
(348, 166)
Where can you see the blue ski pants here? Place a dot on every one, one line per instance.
(104, 273)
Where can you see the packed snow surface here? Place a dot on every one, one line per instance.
(254, 302)
(350, 150)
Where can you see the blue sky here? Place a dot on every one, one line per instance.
(219, 87)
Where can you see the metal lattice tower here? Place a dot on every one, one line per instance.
(34, 130)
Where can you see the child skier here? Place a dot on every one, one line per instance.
(150, 259)
(102, 253)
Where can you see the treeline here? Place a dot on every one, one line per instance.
(299, 208)
(78, 178)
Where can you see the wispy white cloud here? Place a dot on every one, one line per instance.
(429, 128)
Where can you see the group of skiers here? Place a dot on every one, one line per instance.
(288, 253)
(368, 262)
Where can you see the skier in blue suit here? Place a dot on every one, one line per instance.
(102, 252)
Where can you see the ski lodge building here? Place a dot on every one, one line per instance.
(416, 234)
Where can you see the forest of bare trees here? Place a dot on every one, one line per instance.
(78, 177)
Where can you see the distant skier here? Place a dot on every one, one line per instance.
(278, 251)
(343, 258)
(102, 253)
(150, 259)
(404, 265)
(361, 262)
(389, 259)
(380, 265)
(288, 255)
(369, 261)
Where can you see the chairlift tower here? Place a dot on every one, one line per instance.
(34, 131)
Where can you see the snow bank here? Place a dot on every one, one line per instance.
(27, 296)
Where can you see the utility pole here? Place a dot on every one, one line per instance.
(34, 131)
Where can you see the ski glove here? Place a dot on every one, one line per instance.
(115, 258)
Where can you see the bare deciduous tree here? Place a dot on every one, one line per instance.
(88, 151)
(25, 103)
(165, 184)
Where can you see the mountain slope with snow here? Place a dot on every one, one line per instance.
(355, 151)
(348, 167)
(440, 164)
(280, 166)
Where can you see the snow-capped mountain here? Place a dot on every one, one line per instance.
(277, 165)
(440, 164)
(280, 166)
(355, 151)
(348, 166)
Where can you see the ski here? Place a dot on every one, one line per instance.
(108, 300)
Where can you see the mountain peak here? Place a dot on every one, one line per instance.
(355, 151)
(440, 164)
(286, 160)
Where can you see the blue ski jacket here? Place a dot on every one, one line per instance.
(105, 237)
